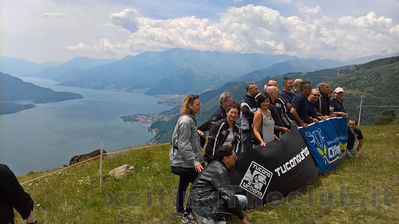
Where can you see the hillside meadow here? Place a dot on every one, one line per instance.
(362, 190)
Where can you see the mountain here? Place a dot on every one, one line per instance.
(173, 71)
(296, 65)
(14, 89)
(378, 80)
(72, 68)
(20, 67)
(11, 107)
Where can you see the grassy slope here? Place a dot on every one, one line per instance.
(147, 194)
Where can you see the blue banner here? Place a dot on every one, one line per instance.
(326, 141)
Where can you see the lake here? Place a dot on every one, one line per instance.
(48, 135)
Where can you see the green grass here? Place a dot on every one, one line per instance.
(363, 190)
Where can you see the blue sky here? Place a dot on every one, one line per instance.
(58, 30)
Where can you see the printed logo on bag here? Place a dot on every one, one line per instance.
(256, 180)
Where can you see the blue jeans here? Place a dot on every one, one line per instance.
(246, 141)
(187, 175)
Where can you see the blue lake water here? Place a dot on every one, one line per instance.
(48, 135)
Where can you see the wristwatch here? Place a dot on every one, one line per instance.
(34, 222)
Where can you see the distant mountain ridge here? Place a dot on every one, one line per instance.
(296, 65)
(173, 71)
(72, 68)
(14, 89)
(20, 67)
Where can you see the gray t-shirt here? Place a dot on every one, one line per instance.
(267, 129)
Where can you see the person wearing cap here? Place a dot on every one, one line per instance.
(337, 104)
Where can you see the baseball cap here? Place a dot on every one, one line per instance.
(339, 90)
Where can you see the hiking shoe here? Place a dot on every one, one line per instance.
(354, 153)
(188, 218)
(178, 214)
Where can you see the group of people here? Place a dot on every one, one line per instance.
(264, 117)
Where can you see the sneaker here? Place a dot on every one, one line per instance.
(178, 214)
(188, 218)
(354, 153)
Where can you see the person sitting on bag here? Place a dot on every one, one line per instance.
(212, 196)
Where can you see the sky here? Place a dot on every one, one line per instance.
(59, 30)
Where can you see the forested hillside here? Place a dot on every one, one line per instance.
(377, 80)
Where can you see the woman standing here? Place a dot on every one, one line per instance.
(186, 154)
(224, 132)
(263, 120)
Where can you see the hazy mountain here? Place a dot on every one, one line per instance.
(20, 67)
(14, 89)
(377, 80)
(173, 71)
(72, 68)
(296, 65)
(11, 107)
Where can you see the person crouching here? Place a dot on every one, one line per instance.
(212, 196)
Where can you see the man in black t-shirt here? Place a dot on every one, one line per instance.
(353, 134)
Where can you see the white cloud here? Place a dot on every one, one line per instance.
(52, 14)
(126, 19)
(259, 29)
(79, 46)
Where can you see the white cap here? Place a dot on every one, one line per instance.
(339, 90)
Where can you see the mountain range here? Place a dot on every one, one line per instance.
(175, 71)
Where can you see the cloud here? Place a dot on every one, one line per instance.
(79, 46)
(126, 19)
(259, 29)
(52, 14)
(254, 29)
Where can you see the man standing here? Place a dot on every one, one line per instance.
(336, 103)
(314, 98)
(353, 134)
(248, 108)
(287, 95)
(323, 105)
(297, 84)
(271, 82)
(226, 100)
(279, 125)
(301, 104)
(212, 196)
